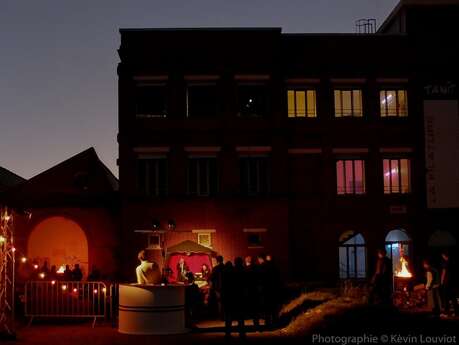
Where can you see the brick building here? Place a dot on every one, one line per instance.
(317, 148)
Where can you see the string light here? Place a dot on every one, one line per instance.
(95, 291)
(2, 239)
(104, 290)
(42, 275)
(75, 290)
(23, 259)
(53, 282)
(35, 266)
(64, 287)
(13, 249)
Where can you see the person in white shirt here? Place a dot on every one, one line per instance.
(147, 272)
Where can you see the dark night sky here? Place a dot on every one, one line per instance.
(58, 60)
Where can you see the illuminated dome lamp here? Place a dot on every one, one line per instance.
(171, 224)
(156, 224)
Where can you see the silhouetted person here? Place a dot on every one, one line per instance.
(216, 279)
(52, 273)
(432, 287)
(233, 297)
(77, 274)
(381, 282)
(193, 300)
(45, 268)
(447, 286)
(272, 291)
(94, 275)
(251, 278)
(67, 273)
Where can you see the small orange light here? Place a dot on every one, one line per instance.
(23, 259)
(95, 290)
(64, 287)
(42, 275)
(53, 282)
(35, 266)
(13, 249)
(104, 290)
(75, 289)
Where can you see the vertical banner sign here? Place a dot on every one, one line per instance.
(441, 130)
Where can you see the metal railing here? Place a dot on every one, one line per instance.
(65, 299)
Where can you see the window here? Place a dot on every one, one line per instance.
(352, 256)
(201, 101)
(393, 103)
(254, 240)
(254, 175)
(252, 100)
(154, 241)
(350, 176)
(396, 174)
(348, 103)
(205, 239)
(301, 103)
(152, 176)
(150, 101)
(398, 248)
(202, 176)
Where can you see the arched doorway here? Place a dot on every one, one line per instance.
(352, 256)
(59, 241)
(398, 245)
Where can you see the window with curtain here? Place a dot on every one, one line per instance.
(393, 103)
(301, 103)
(348, 103)
(350, 176)
(396, 174)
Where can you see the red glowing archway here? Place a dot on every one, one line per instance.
(60, 241)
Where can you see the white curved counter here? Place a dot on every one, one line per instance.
(151, 309)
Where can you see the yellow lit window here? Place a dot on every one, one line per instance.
(393, 103)
(348, 103)
(301, 103)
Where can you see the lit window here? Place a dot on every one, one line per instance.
(202, 176)
(205, 239)
(252, 100)
(154, 241)
(152, 176)
(350, 176)
(201, 101)
(254, 175)
(396, 176)
(150, 101)
(301, 103)
(352, 256)
(348, 103)
(393, 103)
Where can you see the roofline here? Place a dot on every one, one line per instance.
(208, 29)
(13, 173)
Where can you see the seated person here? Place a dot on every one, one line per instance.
(147, 272)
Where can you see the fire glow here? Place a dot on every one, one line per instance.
(404, 272)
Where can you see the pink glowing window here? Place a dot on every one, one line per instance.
(396, 173)
(350, 176)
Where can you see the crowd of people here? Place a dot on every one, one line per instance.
(244, 289)
(51, 273)
(439, 284)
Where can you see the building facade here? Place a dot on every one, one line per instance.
(315, 148)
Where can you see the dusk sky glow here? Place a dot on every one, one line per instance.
(58, 82)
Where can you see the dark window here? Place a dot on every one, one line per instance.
(201, 101)
(254, 240)
(152, 176)
(202, 176)
(151, 101)
(254, 175)
(252, 101)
